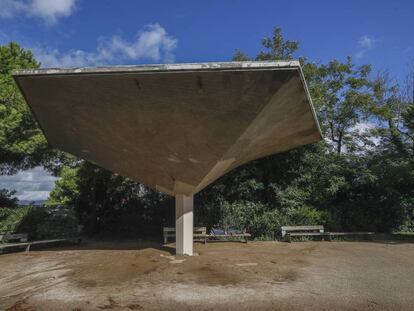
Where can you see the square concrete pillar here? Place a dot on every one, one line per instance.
(184, 224)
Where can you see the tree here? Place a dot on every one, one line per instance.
(106, 202)
(339, 175)
(393, 110)
(340, 93)
(276, 48)
(22, 143)
(7, 198)
(66, 188)
(408, 121)
(338, 182)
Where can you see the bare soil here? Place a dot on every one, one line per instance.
(142, 275)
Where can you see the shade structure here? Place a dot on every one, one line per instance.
(177, 127)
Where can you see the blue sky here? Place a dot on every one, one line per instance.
(74, 32)
(69, 33)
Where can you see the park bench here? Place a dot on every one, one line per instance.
(289, 231)
(27, 245)
(368, 235)
(16, 239)
(199, 233)
(231, 234)
(19, 240)
(13, 237)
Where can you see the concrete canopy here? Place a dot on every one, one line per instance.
(178, 127)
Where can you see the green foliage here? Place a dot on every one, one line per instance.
(276, 48)
(346, 182)
(12, 218)
(39, 222)
(263, 221)
(239, 56)
(408, 119)
(352, 180)
(256, 218)
(46, 222)
(356, 184)
(107, 203)
(341, 95)
(7, 198)
(407, 223)
(66, 188)
(21, 141)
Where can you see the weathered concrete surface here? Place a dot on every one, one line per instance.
(226, 276)
(176, 127)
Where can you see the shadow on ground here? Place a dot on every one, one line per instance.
(142, 274)
(102, 244)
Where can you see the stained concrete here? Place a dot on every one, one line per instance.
(140, 275)
(176, 128)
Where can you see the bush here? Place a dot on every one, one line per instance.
(307, 216)
(264, 222)
(39, 222)
(254, 217)
(7, 198)
(11, 218)
(408, 215)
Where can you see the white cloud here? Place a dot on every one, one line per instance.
(34, 184)
(365, 44)
(48, 10)
(33, 195)
(10, 7)
(74, 58)
(151, 43)
(360, 54)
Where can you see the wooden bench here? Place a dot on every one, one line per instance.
(27, 245)
(199, 233)
(229, 235)
(329, 235)
(13, 237)
(289, 231)
(19, 240)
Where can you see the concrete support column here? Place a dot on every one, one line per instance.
(184, 224)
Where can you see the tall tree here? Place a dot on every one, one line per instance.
(276, 48)
(392, 106)
(7, 198)
(341, 96)
(331, 182)
(21, 141)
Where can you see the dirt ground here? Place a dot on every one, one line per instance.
(139, 275)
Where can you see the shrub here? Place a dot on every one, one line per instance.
(307, 216)
(11, 218)
(38, 222)
(264, 222)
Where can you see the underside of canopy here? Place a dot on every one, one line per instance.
(176, 128)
